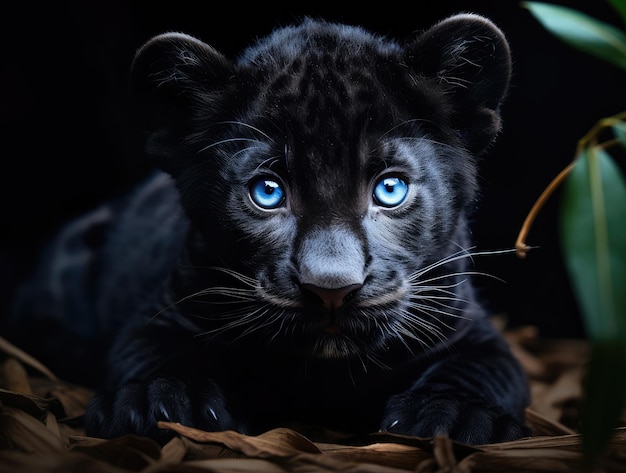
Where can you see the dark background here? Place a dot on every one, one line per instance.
(68, 140)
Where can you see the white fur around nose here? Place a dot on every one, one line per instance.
(331, 258)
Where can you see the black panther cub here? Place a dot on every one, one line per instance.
(327, 176)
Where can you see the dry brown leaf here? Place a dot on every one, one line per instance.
(559, 355)
(244, 465)
(520, 340)
(566, 388)
(74, 399)
(444, 453)
(389, 454)
(542, 426)
(174, 451)
(542, 454)
(44, 425)
(15, 352)
(14, 376)
(560, 442)
(64, 399)
(277, 443)
(34, 405)
(205, 451)
(293, 451)
(16, 462)
(426, 444)
(52, 425)
(539, 460)
(316, 463)
(128, 452)
(22, 432)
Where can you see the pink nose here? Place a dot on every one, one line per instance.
(333, 299)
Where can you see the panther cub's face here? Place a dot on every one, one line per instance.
(343, 240)
(330, 170)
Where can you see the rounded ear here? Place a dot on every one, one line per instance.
(469, 56)
(174, 79)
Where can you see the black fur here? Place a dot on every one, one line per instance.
(327, 175)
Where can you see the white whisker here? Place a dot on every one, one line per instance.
(406, 122)
(433, 300)
(247, 125)
(247, 280)
(414, 280)
(272, 159)
(431, 311)
(229, 140)
(461, 254)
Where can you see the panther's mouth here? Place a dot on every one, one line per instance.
(331, 320)
(329, 304)
(336, 339)
(332, 328)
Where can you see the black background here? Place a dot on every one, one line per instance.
(68, 140)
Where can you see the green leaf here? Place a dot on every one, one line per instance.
(604, 394)
(582, 32)
(620, 7)
(593, 226)
(594, 241)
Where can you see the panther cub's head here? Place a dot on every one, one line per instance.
(330, 172)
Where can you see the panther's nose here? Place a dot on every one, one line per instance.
(332, 299)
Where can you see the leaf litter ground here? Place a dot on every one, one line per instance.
(41, 431)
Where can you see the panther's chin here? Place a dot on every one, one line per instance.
(335, 346)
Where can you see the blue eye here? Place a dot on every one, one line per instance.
(267, 193)
(390, 191)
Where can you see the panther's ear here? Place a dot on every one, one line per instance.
(174, 79)
(470, 58)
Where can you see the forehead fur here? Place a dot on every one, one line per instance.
(290, 43)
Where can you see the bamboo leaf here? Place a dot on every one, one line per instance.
(594, 241)
(581, 31)
(593, 224)
(604, 395)
(620, 7)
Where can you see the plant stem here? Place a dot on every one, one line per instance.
(520, 244)
(590, 140)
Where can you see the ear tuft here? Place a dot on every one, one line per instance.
(469, 56)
